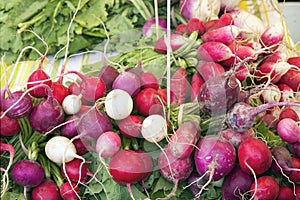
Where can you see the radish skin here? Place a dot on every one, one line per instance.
(214, 51)
(154, 128)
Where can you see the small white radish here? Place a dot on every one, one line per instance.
(72, 104)
(118, 104)
(271, 94)
(60, 149)
(154, 128)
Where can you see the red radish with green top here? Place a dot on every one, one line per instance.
(76, 170)
(69, 191)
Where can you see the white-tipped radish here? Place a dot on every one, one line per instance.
(60, 149)
(118, 104)
(72, 104)
(154, 128)
(271, 94)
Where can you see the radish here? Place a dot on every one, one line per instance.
(154, 128)
(60, 149)
(296, 149)
(196, 83)
(285, 193)
(108, 144)
(241, 116)
(69, 191)
(81, 146)
(218, 94)
(270, 93)
(214, 157)
(74, 88)
(59, 91)
(195, 183)
(288, 130)
(287, 93)
(147, 102)
(214, 51)
(294, 61)
(131, 126)
(266, 188)
(225, 34)
(93, 123)
(282, 158)
(47, 114)
(195, 24)
(272, 70)
(224, 20)
(9, 126)
(36, 78)
(254, 156)
(76, 170)
(128, 82)
(295, 174)
(118, 104)
(272, 36)
(46, 190)
(150, 24)
(178, 86)
(148, 80)
(28, 173)
(176, 42)
(289, 113)
(21, 109)
(70, 130)
(181, 29)
(108, 74)
(236, 183)
(208, 69)
(236, 138)
(72, 104)
(182, 142)
(292, 79)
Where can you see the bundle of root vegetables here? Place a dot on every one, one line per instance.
(220, 122)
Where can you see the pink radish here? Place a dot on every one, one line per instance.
(285, 193)
(181, 29)
(289, 113)
(108, 144)
(108, 74)
(294, 61)
(288, 130)
(214, 51)
(178, 86)
(46, 190)
(266, 188)
(254, 156)
(196, 83)
(225, 34)
(130, 126)
(128, 82)
(272, 36)
(148, 80)
(209, 69)
(195, 24)
(274, 70)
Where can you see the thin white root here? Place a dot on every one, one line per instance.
(255, 180)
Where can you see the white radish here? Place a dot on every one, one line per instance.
(118, 104)
(60, 149)
(154, 128)
(72, 104)
(271, 93)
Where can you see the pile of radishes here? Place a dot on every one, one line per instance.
(244, 82)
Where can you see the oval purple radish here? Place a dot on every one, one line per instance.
(23, 107)
(128, 82)
(69, 130)
(108, 74)
(28, 173)
(214, 153)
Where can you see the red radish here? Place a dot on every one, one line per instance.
(148, 80)
(282, 159)
(69, 130)
(47, 114)
(36, 78)
(74, 88)
(214, 51)
(46, 190)
(162, 94)
(108, 74)
(211, 24)
(270, 93)
(242, 116)
(178, 86)
(21, 109)
(154, 128)
(9, 127)
(69, 191)
(292, 79)
(285, 193)
(242, 73)
(182, 142)
(294, 61)
(288, 130)
(225, 34)
(150, 24)
(195, 24)
(108, 144)
(272, 36)
(128, 82)
(295, 174)
(118, 104)
(76, 170)
(236, 138)
(235, 184)
(289, 113)
(181, 29)
(80, 145)
(93, 123)
(214, 157)
(270, 120)
(297, 191)
(147, 102)
(59, 91)
(287, 93)
(208, 69)
(24, 169)
(148, 163)
(275, 57)
(253, 154)
(131, 126)
(275, 71)
(266, 188)
(91, 87)
(176, 41)
(225, 20)
(196, 83)
(218, 94)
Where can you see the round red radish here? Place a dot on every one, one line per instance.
(195, 24)
(46, 190)
(69, 191)
(76, 170)
(289, 113)
(267, 188)
(92, 88)
(59, 91)
(285, 193)
(148, 80)
(81, 146)
(295, 175)
(9, 127)
(108, 144)
(108, 74)
(147, 102)
(181, 29)
(254, 154)
(40, 77)
(131, 126)
(74, 88)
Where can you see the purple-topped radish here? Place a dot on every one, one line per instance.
(150, 25)
(128, 82)
(241, 116)
(288, 130)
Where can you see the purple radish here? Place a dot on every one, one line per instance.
(285, 193)
(21, 109)
(195, 184)
(241, 116)
(108, 74)
(296, 148)
(214, 157)
(149, 26)
(46, 190)
(28, 173)
(70, 130)
(208, 70)
(128, 82)
(288, 130)
(282, 158)
(108, 144)
(235, 184)
(47, 114)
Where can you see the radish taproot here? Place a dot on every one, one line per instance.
(154, 128)
(46, 190)
(108, 144)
